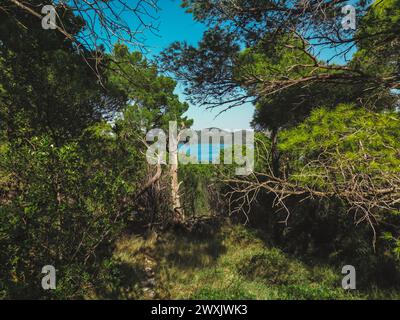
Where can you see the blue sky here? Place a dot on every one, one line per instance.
(176, 25)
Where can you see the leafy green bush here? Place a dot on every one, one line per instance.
(65, 205)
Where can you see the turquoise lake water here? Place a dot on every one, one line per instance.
(203, 152)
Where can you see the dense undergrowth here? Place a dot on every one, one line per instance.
(223, 262)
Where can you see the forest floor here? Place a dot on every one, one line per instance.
(231, 262)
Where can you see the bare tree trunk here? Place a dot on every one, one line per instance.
(175, 196)
(177, 209)
(150, 183)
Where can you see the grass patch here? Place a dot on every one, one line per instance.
(225, 263)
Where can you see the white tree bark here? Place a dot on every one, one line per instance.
(174, 166)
